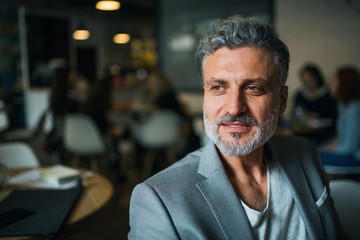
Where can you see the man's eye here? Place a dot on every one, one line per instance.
(254, 90)
(217, 88)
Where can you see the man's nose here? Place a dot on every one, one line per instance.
(236, 103)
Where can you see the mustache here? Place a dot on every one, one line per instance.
(243, 117)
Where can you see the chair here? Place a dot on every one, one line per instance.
(17, 155)
(346, 196)
(82, 138)
(44, 124)
(160, 133)
(43, 127)
(4, 118)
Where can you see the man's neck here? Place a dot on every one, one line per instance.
(252, 165)
(248, 177)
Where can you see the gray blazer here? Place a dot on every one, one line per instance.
(193, 198)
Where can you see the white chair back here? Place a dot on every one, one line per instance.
(17, 155)
(46, 121)
(82, 136)
(346, 196)
(4, 120)
(160, 130)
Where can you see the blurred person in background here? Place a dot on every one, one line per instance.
(61, 103)
(160, 93)
(162, 96)
(314, 107)
(160, 101)
(98, 103)
(344, 149)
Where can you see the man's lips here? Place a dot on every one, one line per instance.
(236, 125)
(241, 119)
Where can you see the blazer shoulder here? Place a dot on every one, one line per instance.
(184, 170)
(290, 141)
(285, 147)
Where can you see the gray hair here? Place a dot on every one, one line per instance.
(236, 31)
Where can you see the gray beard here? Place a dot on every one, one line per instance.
(234, 149)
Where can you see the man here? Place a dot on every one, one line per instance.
(245, 183)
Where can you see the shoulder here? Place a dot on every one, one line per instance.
(351, 108)
(328, 99)
(286, 141)
(297, 155)
(289, 146)
(288, 149)
(183, 171)
(355, 106)
(171, 187)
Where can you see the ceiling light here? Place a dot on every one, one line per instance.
(121, 38)
(108, 5)
(81, 34)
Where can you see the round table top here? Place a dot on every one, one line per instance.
(97, 191)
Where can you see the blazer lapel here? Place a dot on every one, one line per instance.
(290, 167)
(221, 197)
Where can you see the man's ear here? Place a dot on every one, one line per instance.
(283, 99)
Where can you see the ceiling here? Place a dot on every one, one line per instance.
(129, 10)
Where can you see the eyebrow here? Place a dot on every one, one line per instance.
(245, 82)
(216, 80)
(257, 80)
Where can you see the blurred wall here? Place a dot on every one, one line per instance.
(326, 32)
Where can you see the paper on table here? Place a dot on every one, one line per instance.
(31, 178)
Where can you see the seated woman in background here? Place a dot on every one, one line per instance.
(161, 94)
(314, 110)
(345, 148)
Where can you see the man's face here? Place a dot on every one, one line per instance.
(241, 99)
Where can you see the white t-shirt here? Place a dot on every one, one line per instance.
(281, 218)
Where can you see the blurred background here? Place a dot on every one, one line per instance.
(162, 34)
(133, 63)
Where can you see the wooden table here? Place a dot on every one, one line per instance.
(97, 191)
